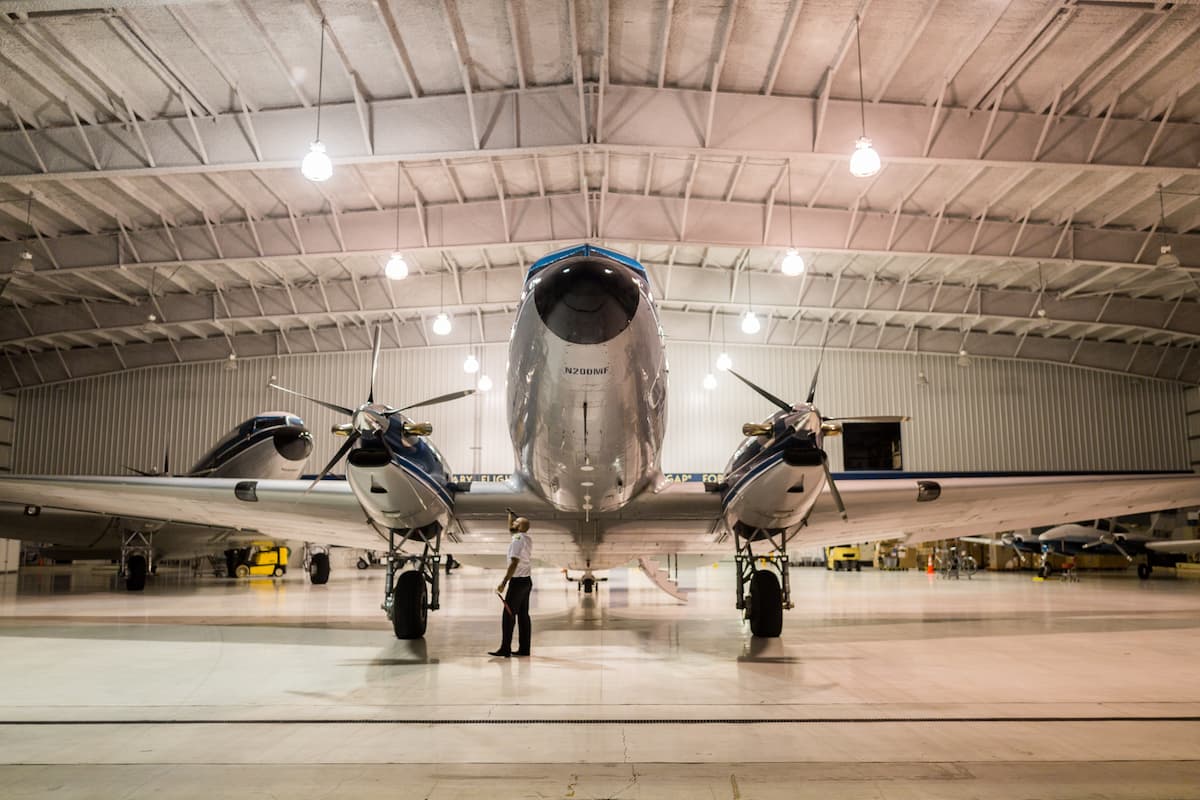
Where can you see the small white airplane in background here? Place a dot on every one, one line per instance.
(1102, 536)
(587, 401)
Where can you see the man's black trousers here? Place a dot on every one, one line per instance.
(517, 599)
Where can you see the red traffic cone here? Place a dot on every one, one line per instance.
(929, 566)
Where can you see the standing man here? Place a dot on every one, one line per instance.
(516, 601)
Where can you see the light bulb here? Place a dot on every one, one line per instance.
(865, 161)
(396, 267)
(485, 383)
(750, 323)
(793, 263)
(1166, 259)
(724, 362)
(964, 360)
(441, 324)
(710, 381)
(316, 166)
(471, 365)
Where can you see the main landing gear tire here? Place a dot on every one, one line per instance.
(410, 611)
(1143, 571)
(765, 605)
(318, 569)
(363, 563)
(135, 574)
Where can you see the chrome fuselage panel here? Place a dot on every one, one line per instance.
(587, 382)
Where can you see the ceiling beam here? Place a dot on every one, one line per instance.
(640, 119)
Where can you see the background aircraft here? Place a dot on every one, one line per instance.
(587, 398)
(1155, 545)
(271, 445)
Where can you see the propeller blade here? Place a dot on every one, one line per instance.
(433, 401)
(345, 448)
(1117, 546)
(145, 473)
(349, 412)
(866, 419)
(812, 387)
(833, 490)
(375, 347)
(782, 404)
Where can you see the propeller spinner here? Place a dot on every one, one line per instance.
(371, 419)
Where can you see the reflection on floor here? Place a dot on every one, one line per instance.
(885, 685)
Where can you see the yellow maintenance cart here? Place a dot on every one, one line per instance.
(845, 557)
(261, 559)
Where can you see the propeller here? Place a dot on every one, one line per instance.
(830, 426)
(370, 419)
(153, 473)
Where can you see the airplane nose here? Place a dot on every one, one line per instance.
(586, 301)
(293, 444)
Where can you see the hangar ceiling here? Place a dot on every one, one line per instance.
(1037, 154)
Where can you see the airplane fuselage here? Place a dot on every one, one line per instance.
(587, 382)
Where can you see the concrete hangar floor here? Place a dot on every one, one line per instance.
(885, 685)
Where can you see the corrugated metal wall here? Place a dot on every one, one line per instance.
(994, 415)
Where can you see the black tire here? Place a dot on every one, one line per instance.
(135, 574)
(858, 566)
(241, 571)
(766, 605)
(1144, 571)
(410, 609)
(279, 570)
(318, 569)
(363, 563)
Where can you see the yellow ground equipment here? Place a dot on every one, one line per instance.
(845, 557)
(259, 559)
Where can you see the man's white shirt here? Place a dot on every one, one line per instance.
(521, 548)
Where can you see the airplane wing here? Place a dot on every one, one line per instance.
(329, 514)
(681, 518)
(1183, 546)
(919, 508)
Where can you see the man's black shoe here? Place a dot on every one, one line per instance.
(520, 652)
(502, 653)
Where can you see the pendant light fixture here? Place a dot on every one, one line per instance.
(316, 165)
(441, 323)
(864, 161)
(793, 263)
(485, 383)
(1166, 259)
(397, 268)
(750, 323)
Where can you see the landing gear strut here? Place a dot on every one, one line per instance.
(770, 590)
(137, 558)
(409, 595)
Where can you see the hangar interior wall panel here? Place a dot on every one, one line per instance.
(10, 549)
(993, 415)
(1193, 427)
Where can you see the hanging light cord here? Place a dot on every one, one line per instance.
(791, 208)
(862, 109)
(320, 78)
(397, 205)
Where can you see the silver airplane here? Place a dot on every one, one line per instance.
(272, 445)
(587, 401)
